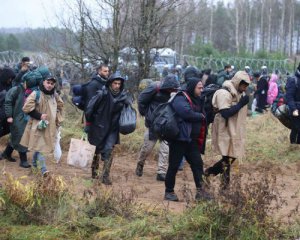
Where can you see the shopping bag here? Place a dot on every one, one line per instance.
(127, 122)
(80, 153)
(57, 148)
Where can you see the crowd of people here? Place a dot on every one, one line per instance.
(32, 112)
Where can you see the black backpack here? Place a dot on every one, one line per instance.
(79, 95)
(164, 121)
(207, 96)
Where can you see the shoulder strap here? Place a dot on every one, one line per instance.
(188, 98)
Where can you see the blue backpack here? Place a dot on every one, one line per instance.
(79, 95)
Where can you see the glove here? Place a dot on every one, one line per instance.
(86, 129)
(244, 100)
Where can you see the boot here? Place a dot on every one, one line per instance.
(139, 169)
(216, 169)
(202, 195)
(24, 163)
(95, 166)
(225, 178)
(106, 169)
(7, 153)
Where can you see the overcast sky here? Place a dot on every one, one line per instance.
(27, 13)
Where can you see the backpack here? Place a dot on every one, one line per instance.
(207, 96)
(79, 95)
(164, 120)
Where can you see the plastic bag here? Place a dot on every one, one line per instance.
(127, 122)
(57, 148)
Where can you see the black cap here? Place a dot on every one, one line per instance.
(25, 59)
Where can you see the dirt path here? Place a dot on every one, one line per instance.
(149, 190)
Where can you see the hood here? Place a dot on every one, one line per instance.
(238, 77)
(170, 82)
(191, 84)
(273, 78)
(115, 76)
(5, 74)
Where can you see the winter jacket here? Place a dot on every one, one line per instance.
(261, 92)
(293, 92)
(223, 76)
(187, 115)
(103, 113)
(42, 140)
(95, 84)
(13, 108)
(273, 89)
(228, 135)
(5, 75)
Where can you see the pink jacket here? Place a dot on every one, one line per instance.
(273, 89)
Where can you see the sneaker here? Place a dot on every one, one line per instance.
(139, 170)
(25, 165)
(9, 158)
(45, 174)
(161, 177)
(202, 195)
(171, 196)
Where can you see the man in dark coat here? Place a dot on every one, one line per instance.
(293, 101)
(261, 93)
(155, 94)
(98, 80)
(102, 115)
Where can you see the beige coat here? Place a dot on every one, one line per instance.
(228, 139)
(42, 140)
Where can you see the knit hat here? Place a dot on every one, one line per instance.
(191, 84)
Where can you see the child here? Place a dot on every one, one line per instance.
(44, 106)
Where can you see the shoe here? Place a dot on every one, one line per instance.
(95, 174)
(25, 165)
(106, 181)
(9, 158)
(45, 174)
(171, 196)
(139, 170)
(161, 177)
(202, 195)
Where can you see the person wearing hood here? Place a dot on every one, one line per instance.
(98, 80)
(190, 140)
(45, 108)
(155, 94)
(102, 125)
(228, 129)
(273, 89)
(293, 101)
(14, 101)
(189, 73)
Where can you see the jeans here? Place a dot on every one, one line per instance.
(39, 160)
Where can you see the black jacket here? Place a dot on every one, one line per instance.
(96, 83)
(293, 97)
(262, 92)
(103, 113)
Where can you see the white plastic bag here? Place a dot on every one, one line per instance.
(80, 153)
(57, 148)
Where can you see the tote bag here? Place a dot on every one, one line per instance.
(80, 153)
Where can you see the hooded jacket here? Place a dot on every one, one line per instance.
(228, 135)
(273, 89)
(103, 113)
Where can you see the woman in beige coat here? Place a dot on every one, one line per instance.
(44, 106)
(228, 129)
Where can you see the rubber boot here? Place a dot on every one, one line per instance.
(24, 163)
(7, 153)
(225, 178)
(139, 169)
(95, 166)
(106, 168)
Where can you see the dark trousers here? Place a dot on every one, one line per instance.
(295, 136)
(191, 151)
